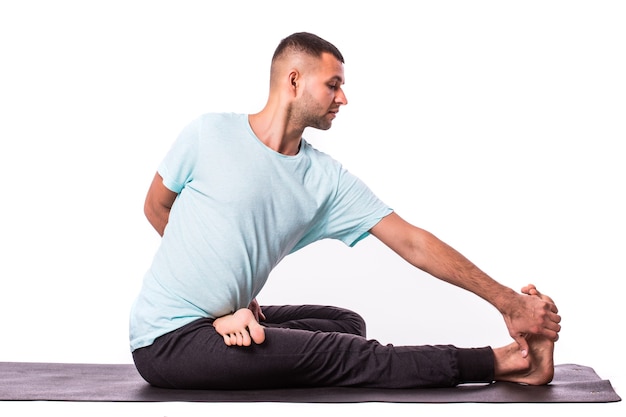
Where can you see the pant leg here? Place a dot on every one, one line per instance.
(314, 317)
(195, 357)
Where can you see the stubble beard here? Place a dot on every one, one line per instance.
(311, 114)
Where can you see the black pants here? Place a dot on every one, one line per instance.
(305, 346)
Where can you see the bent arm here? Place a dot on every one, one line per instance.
(522, 314)
(158, 204)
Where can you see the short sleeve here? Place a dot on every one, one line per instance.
(354, 210)
(178, 165)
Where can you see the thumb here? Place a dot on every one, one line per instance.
(523, 344)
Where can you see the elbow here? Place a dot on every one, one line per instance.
(421, 246)
(148, 210)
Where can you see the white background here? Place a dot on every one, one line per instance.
(497, 125)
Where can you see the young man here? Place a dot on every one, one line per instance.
(236, 194)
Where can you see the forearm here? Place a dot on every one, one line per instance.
(158, 204)
(440, 260)
(522, 314)
(157, 216)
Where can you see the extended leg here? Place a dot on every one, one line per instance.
(196, 357)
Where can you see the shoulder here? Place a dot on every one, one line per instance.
(219, 125)
(221, 118)
(321, 158)
(334, 174)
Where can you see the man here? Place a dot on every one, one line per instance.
(236, 194)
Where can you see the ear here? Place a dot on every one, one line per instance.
(294, 77)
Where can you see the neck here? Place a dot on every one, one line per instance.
(274, 130)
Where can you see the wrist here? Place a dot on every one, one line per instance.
(504, 300)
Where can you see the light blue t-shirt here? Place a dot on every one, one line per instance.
(241, 208)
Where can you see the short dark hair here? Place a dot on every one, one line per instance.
(308, 43)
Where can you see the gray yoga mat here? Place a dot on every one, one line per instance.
(26, 381)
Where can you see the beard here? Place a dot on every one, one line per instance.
(309, 113)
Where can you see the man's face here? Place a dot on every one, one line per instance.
(322, 93)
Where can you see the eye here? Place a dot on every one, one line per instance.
(332, 86)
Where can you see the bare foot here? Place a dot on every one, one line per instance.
(535, 369)
(240, 328)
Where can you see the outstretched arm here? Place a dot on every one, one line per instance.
(522, 314)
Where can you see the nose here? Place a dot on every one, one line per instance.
(341, 98)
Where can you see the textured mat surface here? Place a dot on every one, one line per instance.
(25, 381)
